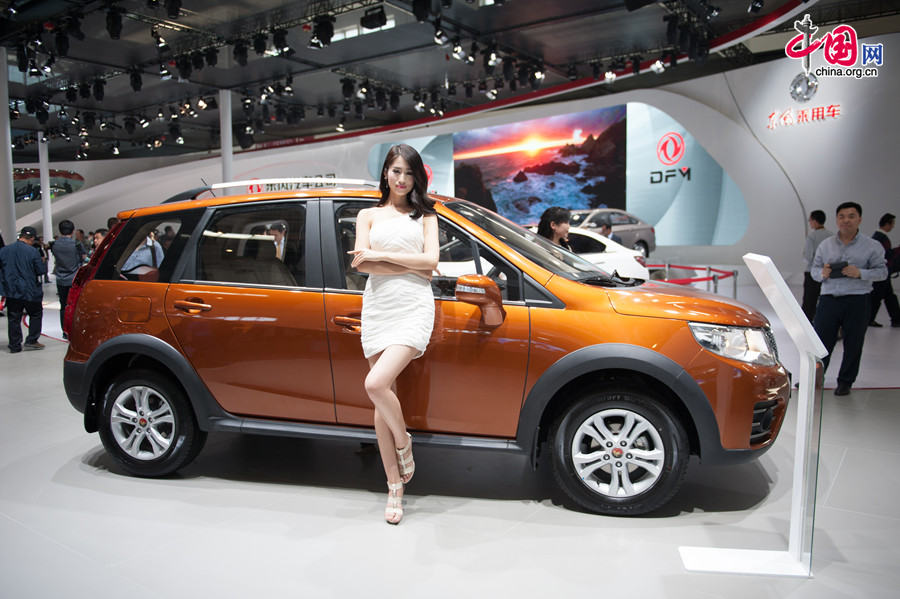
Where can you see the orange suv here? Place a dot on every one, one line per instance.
(533, 348)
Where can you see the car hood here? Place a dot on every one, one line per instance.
(665, 300)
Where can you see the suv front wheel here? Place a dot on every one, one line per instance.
(148, 425)
(619, 452)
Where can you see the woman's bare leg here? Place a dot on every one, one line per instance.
(390, 427)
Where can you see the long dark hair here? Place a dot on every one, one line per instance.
(555, 215)
(418, 195)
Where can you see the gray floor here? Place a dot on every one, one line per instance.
(265, 517)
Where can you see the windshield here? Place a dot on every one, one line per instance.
(576, 217)
(539, 250)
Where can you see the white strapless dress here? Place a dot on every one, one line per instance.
(397, 309)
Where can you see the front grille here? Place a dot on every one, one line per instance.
(770, 337)
(763, 420)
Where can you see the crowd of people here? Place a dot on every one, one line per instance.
(24, 270)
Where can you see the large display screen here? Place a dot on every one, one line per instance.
(633, 157)
(521, 169)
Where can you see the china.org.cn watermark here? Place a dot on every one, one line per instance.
(840, 48)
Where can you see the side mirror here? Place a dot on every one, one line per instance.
(483, 292)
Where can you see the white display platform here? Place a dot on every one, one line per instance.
(797, 560)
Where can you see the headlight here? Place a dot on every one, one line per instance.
(747, 345)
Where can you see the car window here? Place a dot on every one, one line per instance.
(258, 245)
(530, 245)
(617, 218)
(148, 248)
(576, 218)
(584, 244)
(459, 254)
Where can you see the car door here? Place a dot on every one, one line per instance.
(252, 324)
(470, 380)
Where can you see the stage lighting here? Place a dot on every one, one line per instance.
(457, 52)
(323, 31)
(73, 27)
(363, 92)
(421, 8)
(161, 44)
(340, 126)
(99, 84)
(373, 18)
(440, 36)
(48, 64)
(62, 43)
(755, 6)
(240, 52)
(636, 65)
(135, 78)
(173, 8)
(658, 66)
(395, 100)
(671, 22)
(469, 88)
(114, 22)
(89, 119)
(115, 148)
(183, 64)
(21, 58)
(212, 57)
(418, 104)
(572, 73)
(143, 121)
(164, 73)
(347, 87)
(259, 43)
(279, 40)
(197, 60)
(509, 67)
(473, 52)
(33, 70)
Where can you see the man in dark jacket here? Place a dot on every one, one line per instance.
(21, 270)
(69, 256)
(883, 290)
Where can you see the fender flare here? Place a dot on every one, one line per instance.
(618, 356)
(202, 401)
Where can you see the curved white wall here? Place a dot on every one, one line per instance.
(782, 173)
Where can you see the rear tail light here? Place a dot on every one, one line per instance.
(641, 260)
(85, 274)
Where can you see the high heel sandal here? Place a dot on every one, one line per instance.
(405, 460)
(393, 511)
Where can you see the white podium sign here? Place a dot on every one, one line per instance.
(797, 560)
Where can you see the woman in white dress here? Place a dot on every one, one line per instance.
(397, 244)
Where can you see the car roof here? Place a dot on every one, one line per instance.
(227, 200)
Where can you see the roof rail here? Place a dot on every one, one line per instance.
(295, 181)
(192, 194)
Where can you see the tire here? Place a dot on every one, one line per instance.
(128, 431)
(642, 248)
(617, 482)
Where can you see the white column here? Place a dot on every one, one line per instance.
(46, 212)
(7, 190)
(225, 134)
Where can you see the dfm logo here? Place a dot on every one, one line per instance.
(670, 148)
(669, 151)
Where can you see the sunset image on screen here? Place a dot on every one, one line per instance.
(520, 169)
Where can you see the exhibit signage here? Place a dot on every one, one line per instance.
(801, 116)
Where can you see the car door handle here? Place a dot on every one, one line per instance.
(354, 325)
(192, 305)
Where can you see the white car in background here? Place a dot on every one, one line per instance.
(607, 254)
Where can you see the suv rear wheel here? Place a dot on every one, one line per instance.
(148, 425)
(619, 452)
